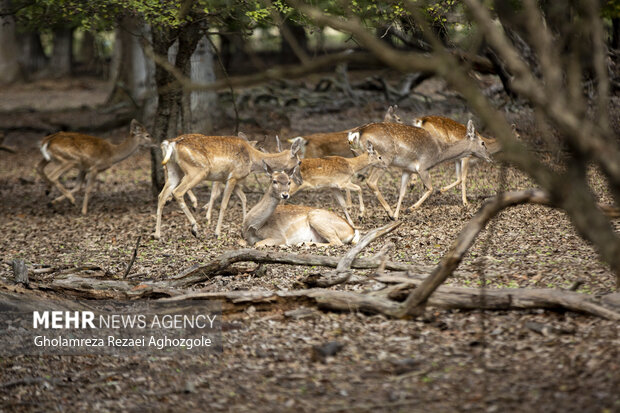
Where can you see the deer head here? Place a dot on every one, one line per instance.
(138, 131)
(280, 181)
(391, 116)
(478, 147)
(374, 158)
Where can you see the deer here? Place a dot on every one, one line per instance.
(216, 187)
(450, 131)
(414, 149)
(335, 173)
(64, 151)
(271, 224)
(319, 145)
(191, 158)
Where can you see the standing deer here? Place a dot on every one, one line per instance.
(335, 173)
(90, 155)
(189, 159)
(413, 149)
(450, 131)
(271, 224)
(319, 145)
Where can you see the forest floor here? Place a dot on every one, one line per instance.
(448, 360)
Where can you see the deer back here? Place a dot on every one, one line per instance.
(451, 131)
(399, 144)
(76, 147)
(221, 156)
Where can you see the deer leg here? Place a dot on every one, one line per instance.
(457, 166)
(242, 198)
(349, 202)
(332, 230)
(464, 168)
(269, 242)
(179, 192)
(54, 179)
(353, 187)
(230, 185)
(216, 188)
(341, 201)
(41, 171)
(373, 178)
(90, 181)
(404, 179)
(78, 186)
(426, 180)
(172, 179)
(192, 199)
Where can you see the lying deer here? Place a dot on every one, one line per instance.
(90, 155)
(191, 158)
(335, 173)
(319, 145)
(271, 224)
(413, 149)
(450, 131)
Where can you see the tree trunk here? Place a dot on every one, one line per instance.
(615, 34)
(61, 60)
(294, 42)
(169, 98)
(202, 103)
(163, 38)
(132, 73)
(32, 58)
(87, 53)
(9, 53)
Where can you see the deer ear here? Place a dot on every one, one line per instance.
(296, 146)
(369, 147)
(134, 126)
(471, 132)
(243, 136)
(267, 168)
(295, 174)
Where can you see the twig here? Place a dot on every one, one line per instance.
(133, 257)
(343, 269)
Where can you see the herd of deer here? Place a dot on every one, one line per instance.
(327, 163)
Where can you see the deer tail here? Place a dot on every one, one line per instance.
(45, 153)
(167, 149)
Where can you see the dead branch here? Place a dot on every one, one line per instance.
(417, 299)
(133, 257)
(198, 274)
(275, 73)
(343, 269)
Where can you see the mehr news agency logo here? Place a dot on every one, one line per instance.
(151, 325)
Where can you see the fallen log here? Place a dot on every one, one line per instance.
(388, 304)
(444, 297)
(198, 274)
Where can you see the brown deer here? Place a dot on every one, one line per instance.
(450, 131)
(271, 224)
(413, 149)
(319, 145)
(189, 159)
(335, 173)
(64, 151)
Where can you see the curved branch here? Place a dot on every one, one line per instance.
(416, 301)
